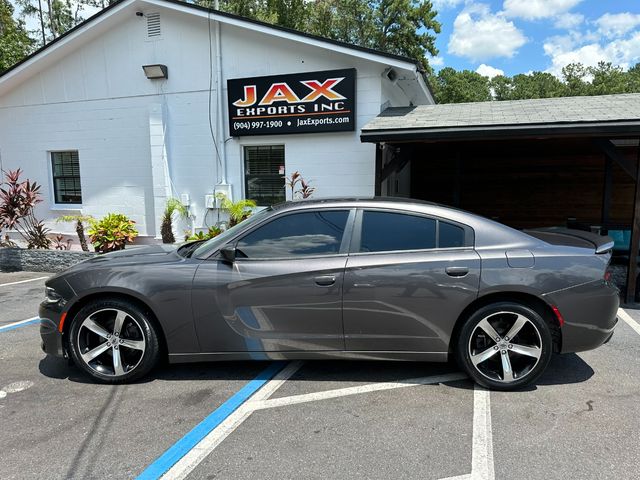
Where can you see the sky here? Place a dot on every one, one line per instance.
(508, 37)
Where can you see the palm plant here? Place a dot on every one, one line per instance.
(173, 205)
(79, 220)
(237, 211)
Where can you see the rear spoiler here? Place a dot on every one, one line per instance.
(574, 238)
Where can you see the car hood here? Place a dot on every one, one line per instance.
(142, 255)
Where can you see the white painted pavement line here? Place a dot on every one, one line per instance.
(195, 456)
(482, 467)
(258, 404)
(22, 281)
(482, 457)
(628, 320)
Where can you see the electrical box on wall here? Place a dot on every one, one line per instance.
(185, 200)
(209, 201)
(224, 189)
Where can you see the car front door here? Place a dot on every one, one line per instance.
(408, 277)
(283, 292)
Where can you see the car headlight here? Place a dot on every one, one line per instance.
(51, 295)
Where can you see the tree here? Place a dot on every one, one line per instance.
(15, 43)
(55, 17)
(574, 76)
(607, 79)
(405, 27)
(536, 85)
(402, 27)
(451, 86)
(633, 79)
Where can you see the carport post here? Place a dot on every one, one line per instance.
(632, 270)
(606, 191)
(378, 174)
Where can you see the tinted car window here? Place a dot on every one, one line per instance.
(384, 231)
(451, 236)
(298, 234)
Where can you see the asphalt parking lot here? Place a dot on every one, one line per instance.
(312, 419)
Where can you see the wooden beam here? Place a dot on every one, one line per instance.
(378, 180)
(632, 270)
(606, 191)
(609, 149)
(395, 165)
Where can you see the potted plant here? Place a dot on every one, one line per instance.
(112, 232)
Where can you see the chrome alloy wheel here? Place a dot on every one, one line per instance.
(111, 342)
(505, 346)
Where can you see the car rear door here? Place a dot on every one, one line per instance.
(284, 290)
(408, 277)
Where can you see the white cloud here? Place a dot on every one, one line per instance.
(489, 71)
(436, 61)
(536, 9)
(568, 21)
(618, 24)
(479, 34)
(444, 4)
(564, 50)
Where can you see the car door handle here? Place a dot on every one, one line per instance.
(325, 280)
(457, 271)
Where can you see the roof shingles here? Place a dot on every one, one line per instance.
(564, 110)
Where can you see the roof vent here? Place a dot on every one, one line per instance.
(153, 25)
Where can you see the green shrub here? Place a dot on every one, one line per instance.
(112, 232)
(213, 232)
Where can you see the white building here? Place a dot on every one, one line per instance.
(81, 117)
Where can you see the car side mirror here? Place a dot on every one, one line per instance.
(228, 252)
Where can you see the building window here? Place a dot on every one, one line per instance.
(65, 167)
(264, 174)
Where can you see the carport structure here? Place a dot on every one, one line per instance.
(571, 161)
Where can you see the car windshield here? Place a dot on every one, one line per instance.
(210, 246)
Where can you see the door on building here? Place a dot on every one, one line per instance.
(407, 279)
(284, 290)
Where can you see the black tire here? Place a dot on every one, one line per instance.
(534, 338)
(136, 327)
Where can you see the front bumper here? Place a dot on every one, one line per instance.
(53, 341)
(590, 313)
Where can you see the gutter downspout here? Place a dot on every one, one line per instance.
(220, 101)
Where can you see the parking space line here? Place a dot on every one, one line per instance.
(482, 456)
(628, 320)
(21, 323)
(257, 404)
(22, 281)
(191, 459)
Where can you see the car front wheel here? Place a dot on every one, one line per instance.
(505, 346)
(114, 341)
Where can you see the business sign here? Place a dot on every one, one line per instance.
(299, 103)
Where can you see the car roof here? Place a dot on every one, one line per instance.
(488, 233)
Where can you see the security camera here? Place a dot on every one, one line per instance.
(139, 14)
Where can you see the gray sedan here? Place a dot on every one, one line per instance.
(352, 279)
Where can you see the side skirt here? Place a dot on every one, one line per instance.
(323, 355)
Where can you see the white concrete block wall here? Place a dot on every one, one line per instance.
(97, 100)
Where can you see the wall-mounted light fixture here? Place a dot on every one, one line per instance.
(154, 72)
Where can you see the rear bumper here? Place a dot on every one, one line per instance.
(590, 314)
(52, 339)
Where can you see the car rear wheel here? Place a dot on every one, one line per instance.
(505, 346)
(114, 341)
